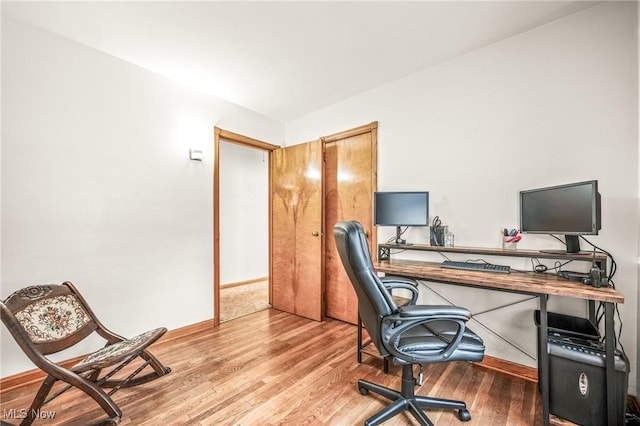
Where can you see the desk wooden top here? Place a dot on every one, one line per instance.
(530, 283)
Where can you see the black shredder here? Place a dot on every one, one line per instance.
(578, 385)
(577, 374)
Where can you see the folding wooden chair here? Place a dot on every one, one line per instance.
(47, 319)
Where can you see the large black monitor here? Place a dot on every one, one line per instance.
(401, 209)
(572, 209)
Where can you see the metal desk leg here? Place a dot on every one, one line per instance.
(359, 339)
(610, 338)
(543, 374)
(592, 311)
(361, 346)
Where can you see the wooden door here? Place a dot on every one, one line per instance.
(350, 181)
(297, 230)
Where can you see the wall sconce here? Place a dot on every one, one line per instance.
(195, 154)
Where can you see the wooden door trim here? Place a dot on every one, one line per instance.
(237, 138)
(374, 186)
(244, 140)
(371, 127)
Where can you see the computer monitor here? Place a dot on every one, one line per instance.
(401, 209)
(572, 209)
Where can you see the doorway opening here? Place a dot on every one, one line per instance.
(240, 299)
(242, 220)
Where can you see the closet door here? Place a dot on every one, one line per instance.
(297, 242)
(350, 181)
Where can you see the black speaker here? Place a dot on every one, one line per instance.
(577, 382)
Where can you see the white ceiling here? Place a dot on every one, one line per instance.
(287, 59)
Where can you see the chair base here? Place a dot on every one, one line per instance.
(406, 400)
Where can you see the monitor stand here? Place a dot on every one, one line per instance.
(399, 241)
(573, 246)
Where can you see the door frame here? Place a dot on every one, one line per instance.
(227, 136)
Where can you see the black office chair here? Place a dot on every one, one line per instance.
(407, 335)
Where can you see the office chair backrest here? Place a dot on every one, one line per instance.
(374, 301)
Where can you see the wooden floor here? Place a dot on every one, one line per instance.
(273, 368)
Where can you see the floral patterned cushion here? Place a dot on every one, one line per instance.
(52, 319)
(113, 353)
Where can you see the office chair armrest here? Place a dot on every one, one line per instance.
(391, 283)
(435, 311)
(396, 325)
(396, 279)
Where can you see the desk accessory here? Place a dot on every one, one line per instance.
(438, 232)
(595, 278)
(510, 238)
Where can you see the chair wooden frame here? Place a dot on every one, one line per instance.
(47, 319)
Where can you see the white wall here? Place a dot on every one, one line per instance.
(637, 366)
(244, 213)
(554, 105)
(97, 187)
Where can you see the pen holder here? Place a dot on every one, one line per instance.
(437, 235)
(509, 242)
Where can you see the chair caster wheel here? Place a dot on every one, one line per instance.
(364, 391)
(464, 415)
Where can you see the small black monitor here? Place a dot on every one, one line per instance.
(572, 209)
(401, 209)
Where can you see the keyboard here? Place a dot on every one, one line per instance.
(476, 266)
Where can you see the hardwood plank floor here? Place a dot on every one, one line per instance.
(273, 368)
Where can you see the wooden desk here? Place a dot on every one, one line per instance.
(541, 285)
(527, 283)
